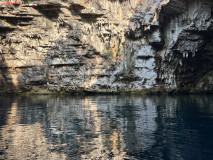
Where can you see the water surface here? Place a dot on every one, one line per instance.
(106, 127)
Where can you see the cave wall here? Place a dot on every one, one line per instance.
(107, 46)
(188, 37)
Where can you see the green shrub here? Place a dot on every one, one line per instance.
(3, 20)
(118, 52)
(107, 54)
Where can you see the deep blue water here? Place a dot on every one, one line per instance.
(107, 127)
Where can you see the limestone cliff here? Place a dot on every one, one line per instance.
(107, 46)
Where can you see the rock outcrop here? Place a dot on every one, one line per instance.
(107, 46)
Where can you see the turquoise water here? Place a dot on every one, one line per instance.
(107, 127)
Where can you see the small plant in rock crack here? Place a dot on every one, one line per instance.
(111, 53)
(3, 20)
(118, 52)
(107, 54)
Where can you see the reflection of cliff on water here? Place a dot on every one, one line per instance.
(101, 127)
(24, 141)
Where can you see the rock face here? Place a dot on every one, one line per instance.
(107, 46)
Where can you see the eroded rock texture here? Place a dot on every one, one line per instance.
(107, 46)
